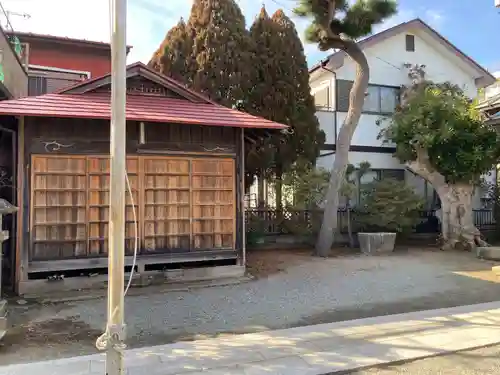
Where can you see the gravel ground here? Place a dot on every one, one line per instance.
(475, 362)
(314, 291)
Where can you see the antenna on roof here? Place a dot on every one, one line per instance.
(5, 23)
(23, 15)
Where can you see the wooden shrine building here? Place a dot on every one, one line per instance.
(185, 165)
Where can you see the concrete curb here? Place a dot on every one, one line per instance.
(336, 348)
(407, 361)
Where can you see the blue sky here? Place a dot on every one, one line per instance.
(472, 26)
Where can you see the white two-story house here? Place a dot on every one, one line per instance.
(390, 53)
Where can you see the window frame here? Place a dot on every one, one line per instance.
(328, 97)
(410, 43)
(342, 91)
(379, 111)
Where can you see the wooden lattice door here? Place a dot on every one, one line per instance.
(182, 204)
(58, 206)
(167, 200)
(98, 204)
(213, 207)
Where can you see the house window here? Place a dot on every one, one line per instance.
(37, 85)
(322, 98)
(410, 43)
(396, 174)
(379, 99)
(380, 174)
(389, 99)
(372, 99)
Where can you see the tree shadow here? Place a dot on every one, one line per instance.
(323, 348)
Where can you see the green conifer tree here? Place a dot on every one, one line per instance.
(259, 101)
(221, 48)
(174, 56)
(292, 102)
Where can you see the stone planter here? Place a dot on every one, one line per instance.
(489, 253)
(377, 243)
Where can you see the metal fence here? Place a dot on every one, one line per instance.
(274, 222)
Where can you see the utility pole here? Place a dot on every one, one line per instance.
(116, 249)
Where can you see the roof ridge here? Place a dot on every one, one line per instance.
(139, 108)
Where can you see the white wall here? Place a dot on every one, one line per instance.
(367, 131)
(386, 62)
(377, 160)
(494, 89)
(327, 124)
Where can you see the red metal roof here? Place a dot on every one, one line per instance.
(62, 39)
(147, 108)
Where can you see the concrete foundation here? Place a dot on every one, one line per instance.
(490, 253)
(40, 288)
(377, 243)
(3, 318)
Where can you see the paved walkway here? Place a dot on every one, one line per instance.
(310, 350)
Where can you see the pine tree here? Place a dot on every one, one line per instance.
(337, 24)
(221, 48)
(173, 58)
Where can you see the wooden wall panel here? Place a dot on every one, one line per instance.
(182, 204)
(213, 190)
(98, 204)
(166, 204)
(58, 207)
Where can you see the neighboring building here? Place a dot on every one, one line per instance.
(390, 54)
(493, 91)
(185, 165)
(56, 62)
(13, 84)
(13, 76)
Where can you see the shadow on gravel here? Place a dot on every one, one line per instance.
(355, 288)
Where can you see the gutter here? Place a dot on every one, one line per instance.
(322, 65)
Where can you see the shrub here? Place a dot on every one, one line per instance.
(390, 205)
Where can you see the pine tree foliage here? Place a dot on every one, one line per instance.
(332, 20)
(262, 71)
(173, 57)
(221, 49)
(338, 24)
(294, 97)
(280, 92)
(259, 101)
(390, 205)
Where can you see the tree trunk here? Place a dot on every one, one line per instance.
(260, 191)
(349, 227)
(457, 224)
(279, 190)
(457, 221)
(356, 101)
